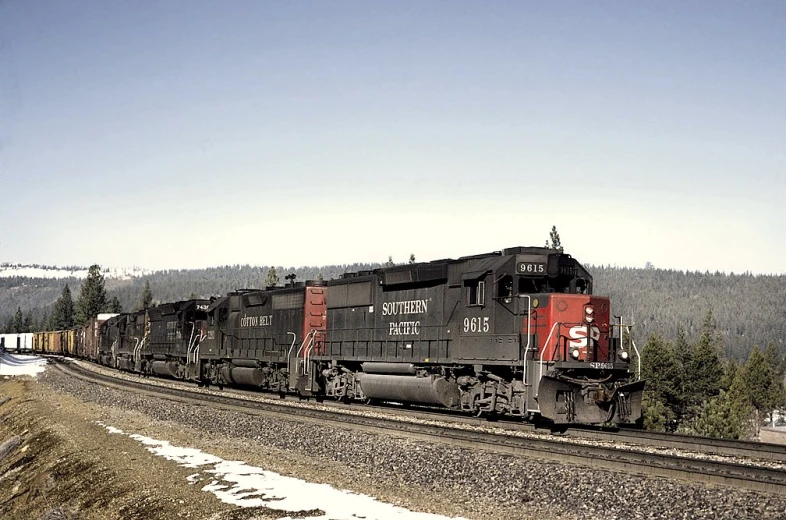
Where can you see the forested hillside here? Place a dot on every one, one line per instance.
(749, 310)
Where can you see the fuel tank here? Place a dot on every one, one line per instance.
(164, 368)
(243, 376)
(434, 390)
(389, 368)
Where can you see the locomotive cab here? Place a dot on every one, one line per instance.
(577, 369)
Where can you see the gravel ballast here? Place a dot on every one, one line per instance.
(419, 475)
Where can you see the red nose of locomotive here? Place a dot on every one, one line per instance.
(573, 327)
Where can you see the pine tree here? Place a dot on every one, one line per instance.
(390, 262)
(147, 296)
(42, 324)
(663, 372)
(729, 373)
(656, 416)
(682, 347)
(27, 325)
(411, 258)
(774, 359)
(67, 308)
(63, 311)
(114, 306)
(762, 384)
(19, 321)
(92, 296)
(272, 278)
(555, 240)
(703, 367)
(725, 417)
(778, 389)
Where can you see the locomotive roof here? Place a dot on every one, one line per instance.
(246, 294)
(480, 262)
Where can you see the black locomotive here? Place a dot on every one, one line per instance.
(516, 333)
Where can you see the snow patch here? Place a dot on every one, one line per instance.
(20, 365)
(29, 271)
(111, 429)
(235, 482)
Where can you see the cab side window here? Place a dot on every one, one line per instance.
(505, 288)
(476, 293)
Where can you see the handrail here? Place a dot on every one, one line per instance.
(638, 356)
(309, 338)
(303, 344)
(307, 353)
(193, 349)
(622, 326)
(529, 336)
(546, 344)
(289, 352)
(133, 351)
(191, 345)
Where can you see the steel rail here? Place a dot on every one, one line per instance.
(707, 445)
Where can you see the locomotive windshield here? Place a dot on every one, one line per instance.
(560, 274)
(554, 285)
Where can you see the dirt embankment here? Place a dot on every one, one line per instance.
(56, 463)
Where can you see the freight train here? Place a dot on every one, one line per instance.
(516, 333)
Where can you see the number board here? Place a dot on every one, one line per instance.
(567, 270)
(531, 268)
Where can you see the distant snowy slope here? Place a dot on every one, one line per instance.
(37, 271)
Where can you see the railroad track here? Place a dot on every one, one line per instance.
(474, 435)
(706, 445)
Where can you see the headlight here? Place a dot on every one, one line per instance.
(624, 355)
(575, 353)
(589, 313)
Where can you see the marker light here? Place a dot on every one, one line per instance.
(575, 353)
(624, 355)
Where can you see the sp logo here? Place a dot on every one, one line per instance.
(578, 335)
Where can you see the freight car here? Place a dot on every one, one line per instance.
(52, 342)
(89, 337)
(515, 332)
(19, 342)
(79, 342)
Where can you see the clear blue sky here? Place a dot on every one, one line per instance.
(181, 134)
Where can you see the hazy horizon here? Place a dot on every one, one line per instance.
(139, 271)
